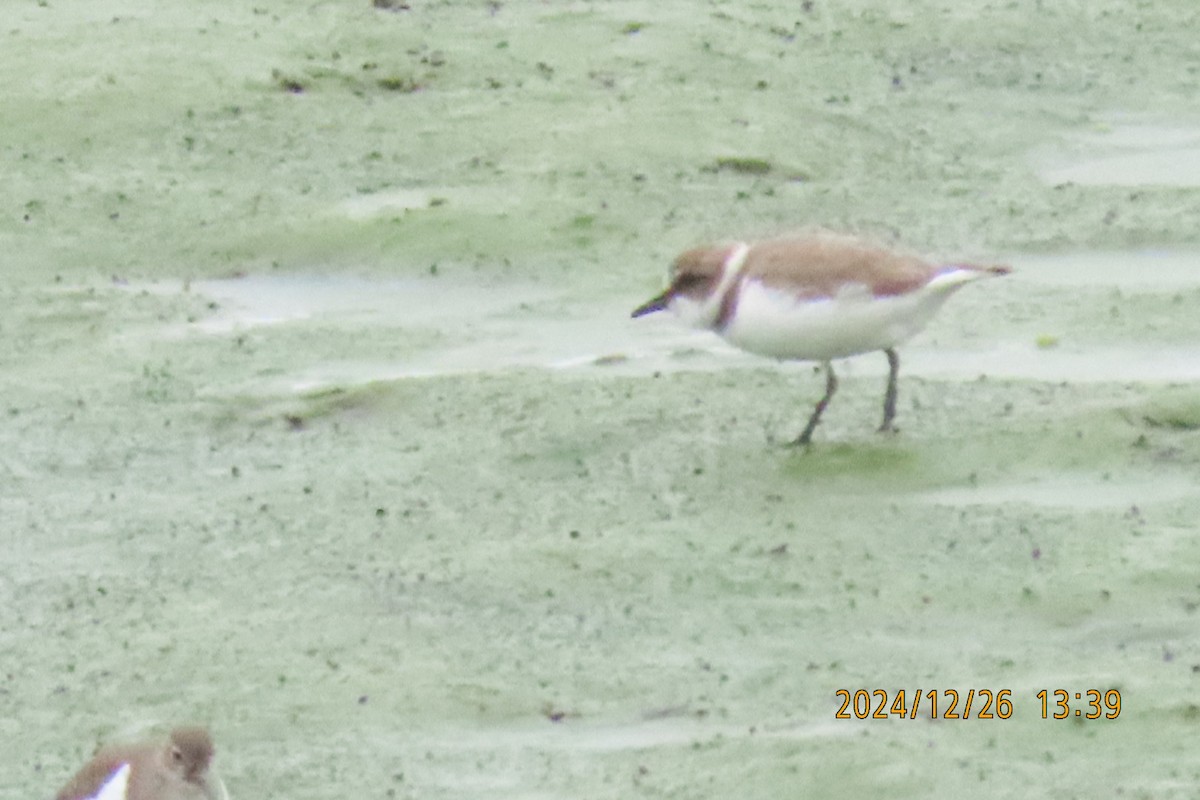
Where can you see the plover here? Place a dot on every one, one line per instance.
(177, 769)
(815, 297)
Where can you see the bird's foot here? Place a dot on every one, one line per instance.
(803, 440)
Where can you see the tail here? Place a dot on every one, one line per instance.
(952, 276)
(996, 269)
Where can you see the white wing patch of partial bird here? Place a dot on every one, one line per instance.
(115, 787)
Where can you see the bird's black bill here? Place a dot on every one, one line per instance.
(657, 304)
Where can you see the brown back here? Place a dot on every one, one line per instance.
(819, 265)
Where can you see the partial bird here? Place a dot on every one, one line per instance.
(175, 769)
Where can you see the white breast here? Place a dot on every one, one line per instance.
(776, 323)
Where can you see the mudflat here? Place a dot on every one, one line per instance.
(322, 421)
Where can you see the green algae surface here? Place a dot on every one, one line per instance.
(421, 514)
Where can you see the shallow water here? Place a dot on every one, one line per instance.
(1144, 269)
(257, 300)
(523, 325)
(1127, 153)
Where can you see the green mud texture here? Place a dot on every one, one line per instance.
(536, 583)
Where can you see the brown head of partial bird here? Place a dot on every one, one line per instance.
(190, 753)
(695, 275)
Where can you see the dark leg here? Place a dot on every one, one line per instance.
(889, 399)
(830, 388)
